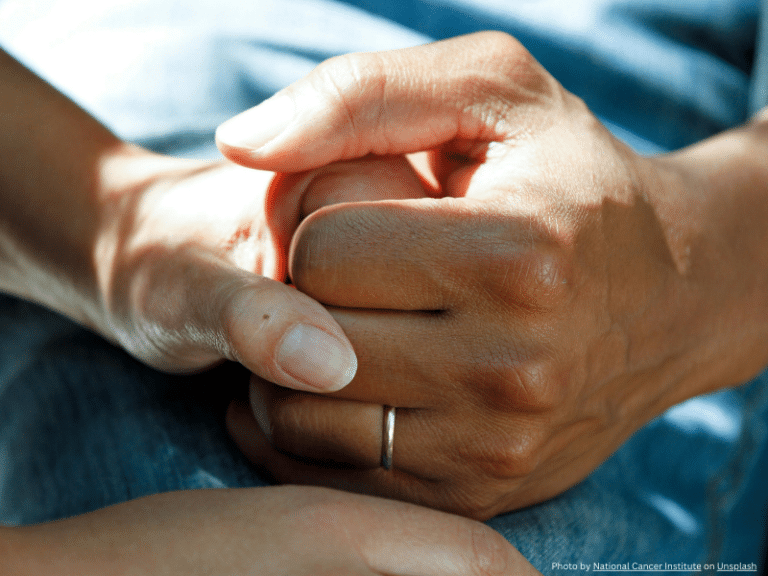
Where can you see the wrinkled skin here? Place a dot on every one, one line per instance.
(173, 259)
(550, 295)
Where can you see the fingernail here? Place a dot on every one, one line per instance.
(258, 126)
(317, 358)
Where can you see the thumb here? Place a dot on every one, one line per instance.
(286, 337)
(394, 102)
(200, 310)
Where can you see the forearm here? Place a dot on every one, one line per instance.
(53, 193)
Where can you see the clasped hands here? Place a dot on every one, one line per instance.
(527, 301)
(522, 287)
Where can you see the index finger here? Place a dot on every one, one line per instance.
(394, 102)
(425, 254)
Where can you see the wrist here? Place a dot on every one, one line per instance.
(59, 183)
(53, 248)
(127, 175)
(713, 205)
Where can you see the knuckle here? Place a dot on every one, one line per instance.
(504, 48)
(546, 280)
(509, 457)
(511, 386)
(510, 82)
(501, 455)
(333, 81)
(344, 81)
(536, 385)
(233, 298)
(287, 417)
(335, 76)
(524, 78)
(534, 281)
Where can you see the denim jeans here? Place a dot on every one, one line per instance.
(83, 425)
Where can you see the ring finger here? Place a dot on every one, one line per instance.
(325, 430)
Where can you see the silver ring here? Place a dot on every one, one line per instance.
(388, 437)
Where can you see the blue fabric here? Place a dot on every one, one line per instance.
(758, 96)
(663, 74)
(82, 425)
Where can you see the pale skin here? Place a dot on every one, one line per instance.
(172, 259)
(277, 531)
(550, 296)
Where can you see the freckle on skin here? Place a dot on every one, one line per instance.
(265, 317)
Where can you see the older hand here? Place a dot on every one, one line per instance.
(559, 294)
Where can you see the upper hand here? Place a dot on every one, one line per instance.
(559, 294)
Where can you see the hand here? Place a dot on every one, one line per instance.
(561, 293)
(192, 262)
(187, 270)
(169, 258)
(261, 531)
